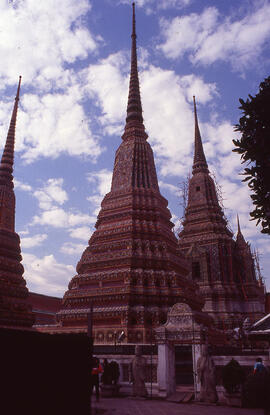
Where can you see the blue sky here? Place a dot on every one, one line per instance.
(73, 56)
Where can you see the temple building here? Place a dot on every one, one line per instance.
(44, 308)
(132, 271)
(15, 311)
(223, 267)
(136, 282)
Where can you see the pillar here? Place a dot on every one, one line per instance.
(196, 352)
(166, 370)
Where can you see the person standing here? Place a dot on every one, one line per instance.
(259, 366)
(262, 385)
(96, 370)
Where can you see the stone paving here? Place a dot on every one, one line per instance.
(133, 406)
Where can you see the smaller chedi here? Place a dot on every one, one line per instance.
(221, 266)
(14, 310)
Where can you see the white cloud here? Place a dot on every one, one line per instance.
(45, 275)
(166, 4)
(54, 36)
(187, 33)
(106, 82)
(52, 121)
(83, 233)
(71, 248)
(49, 196)
(55, 124)
(193, 84)
(18, 185)
(160, 4)
(51, 125)
(33, 241)
(140, 3)
(264, 248)
(100, 184)
(26, 232)
(218, 137)
(102, 180)
(208, 37)
(52, 192)
(172, 139)
(177, 221)
(59, 218)
(170, 187)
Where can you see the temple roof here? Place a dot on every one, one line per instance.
(261, 326)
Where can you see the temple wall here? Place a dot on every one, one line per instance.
(163, 369)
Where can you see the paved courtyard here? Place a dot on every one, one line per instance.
(132, 406)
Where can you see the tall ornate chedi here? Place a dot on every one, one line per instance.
(14, 310)
(131, 271)
(223, 268)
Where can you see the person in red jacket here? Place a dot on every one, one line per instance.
(96, 370)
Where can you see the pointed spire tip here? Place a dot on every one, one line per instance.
(238, 224)
(18, 89)
(194, 104)
(133, 20)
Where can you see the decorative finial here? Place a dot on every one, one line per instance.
(195, 109)
(133, 20)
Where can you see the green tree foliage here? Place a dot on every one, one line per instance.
(254, 148)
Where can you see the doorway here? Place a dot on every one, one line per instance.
(183, 365)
